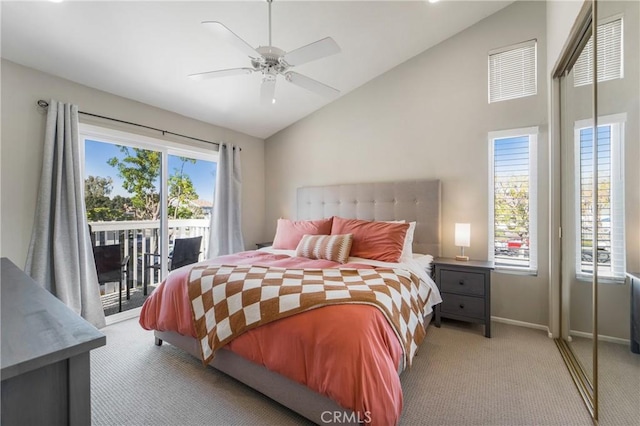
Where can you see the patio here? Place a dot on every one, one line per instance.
(137, 298)
(138, 239)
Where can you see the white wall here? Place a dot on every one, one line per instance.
(428, 118)
(22, 148)
(561, 16)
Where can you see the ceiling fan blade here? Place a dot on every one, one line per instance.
(220, 73)
(311, 84)
(230, 37)
(311, 52)
(267, 92)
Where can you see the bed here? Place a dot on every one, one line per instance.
(393, 202)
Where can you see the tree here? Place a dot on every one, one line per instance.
(99, 206)
(96, 198)
(603, 213)
(98, 186)
(181, 191)
(140, 169)
(512, 206)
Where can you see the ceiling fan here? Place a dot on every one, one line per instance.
(271, 61)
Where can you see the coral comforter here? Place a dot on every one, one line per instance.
(348, 353)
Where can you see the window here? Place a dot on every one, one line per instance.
(512, 72)
(142, 194)
(512, 195)
(610, 213)
(610, 62)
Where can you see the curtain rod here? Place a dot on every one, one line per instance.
(44, 104)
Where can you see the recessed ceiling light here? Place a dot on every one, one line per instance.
(434, 1)
(56, 1)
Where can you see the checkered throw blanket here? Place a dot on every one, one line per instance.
(228, 300)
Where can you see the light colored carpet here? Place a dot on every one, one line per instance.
(134, 382)
(517, 377)
(619, 380)
(458, 378)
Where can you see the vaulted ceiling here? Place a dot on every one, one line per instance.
(145, 50)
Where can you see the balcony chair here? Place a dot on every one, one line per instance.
(111, 266)
(185, 252)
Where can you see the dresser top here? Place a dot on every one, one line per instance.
(37, 328)
(463, 263)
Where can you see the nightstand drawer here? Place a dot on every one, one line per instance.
(467, 306)
(462, 282)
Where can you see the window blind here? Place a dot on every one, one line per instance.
(610, 55)
(610, 210)
(512, 72)
(513, 239)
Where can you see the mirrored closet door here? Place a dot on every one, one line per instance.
(577, 106)
(618, 95)
(600, 207)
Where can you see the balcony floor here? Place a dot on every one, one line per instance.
(110, 299)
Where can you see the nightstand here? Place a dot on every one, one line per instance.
(465, 287)
(265, 244)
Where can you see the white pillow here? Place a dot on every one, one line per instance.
(407, 248)
(424, 260)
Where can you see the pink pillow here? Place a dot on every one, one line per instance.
(373, 240)
(289, 232)
(330, 247)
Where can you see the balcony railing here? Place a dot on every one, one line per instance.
(143, 236)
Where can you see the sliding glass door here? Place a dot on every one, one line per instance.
(143, 194)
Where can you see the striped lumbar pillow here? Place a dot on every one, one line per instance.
(330, 247)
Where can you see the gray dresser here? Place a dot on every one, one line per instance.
(45, 355)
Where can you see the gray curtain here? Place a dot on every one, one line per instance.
(60, 256)
(226, 225)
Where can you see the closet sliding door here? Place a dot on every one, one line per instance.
(598, 202)
(618, 95)
(577, 109)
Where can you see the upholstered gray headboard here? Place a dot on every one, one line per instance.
(407, 200)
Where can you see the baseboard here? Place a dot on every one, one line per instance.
(523, 324)
(543, 327)
(601, 337)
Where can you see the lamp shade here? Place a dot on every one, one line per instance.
(463, 234)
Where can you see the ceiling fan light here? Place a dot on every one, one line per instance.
(271, 61)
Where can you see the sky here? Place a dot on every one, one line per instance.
(511, 156)
(202, 173)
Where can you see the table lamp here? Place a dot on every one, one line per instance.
(463, 238)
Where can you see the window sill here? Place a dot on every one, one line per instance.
(601, 279)
(516, 271)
